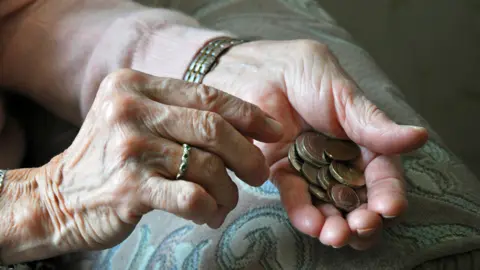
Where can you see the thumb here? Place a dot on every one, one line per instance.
(368, 126)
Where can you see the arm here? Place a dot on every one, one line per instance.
(24, 225)
(66, 48)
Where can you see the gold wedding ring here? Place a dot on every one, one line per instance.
(184, 164)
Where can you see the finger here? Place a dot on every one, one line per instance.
(296, 199)
(386, 187)
(336, 106)
(335, 231)
(219, 218)
(366, 156)
(368, 126)
(246, 117)
(365, 225)
(362, 195)
(393, 172)
(181, 198)
(210, 132)
(205, 169)
(348, 112)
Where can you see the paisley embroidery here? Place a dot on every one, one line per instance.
(257, 237)
(103, 260)
(423, 236)
(428, 176)
(163, 256)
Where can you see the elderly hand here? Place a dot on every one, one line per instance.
(301, 84)
(124, 161)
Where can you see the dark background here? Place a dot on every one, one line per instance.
(431, 50)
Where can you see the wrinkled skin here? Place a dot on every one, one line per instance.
(121, 165)
(301, 84)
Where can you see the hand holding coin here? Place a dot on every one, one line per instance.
(337, 186)
(325, 164)
(302, 85)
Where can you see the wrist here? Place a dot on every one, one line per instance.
(159, 49)
(25, 227)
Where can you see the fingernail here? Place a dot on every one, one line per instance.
(415, 127)
(274, 125)
(337, 247)
(389, 217)
(365, 233)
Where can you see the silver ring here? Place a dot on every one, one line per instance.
(184, 164)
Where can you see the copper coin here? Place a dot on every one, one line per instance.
(344, 197)
(310, 147)
(295, 161)
(319, 193)
(325, 179)
(342, 150)
(347, 175)
(299, 146)
(327, 159)
(310, 173)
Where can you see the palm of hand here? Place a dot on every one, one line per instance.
(307, 90)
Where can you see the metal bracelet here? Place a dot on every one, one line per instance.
(207, 58)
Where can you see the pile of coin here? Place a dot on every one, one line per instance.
(326, 165)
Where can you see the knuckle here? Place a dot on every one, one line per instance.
(207, 96)
(249, 113)
(212, 164)
(168, 84)
(210, 127)
(123, 186)
(159, 197)
(121, 108)
(129, 147)
(190, 196)
(118, 80)
(309, 46)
